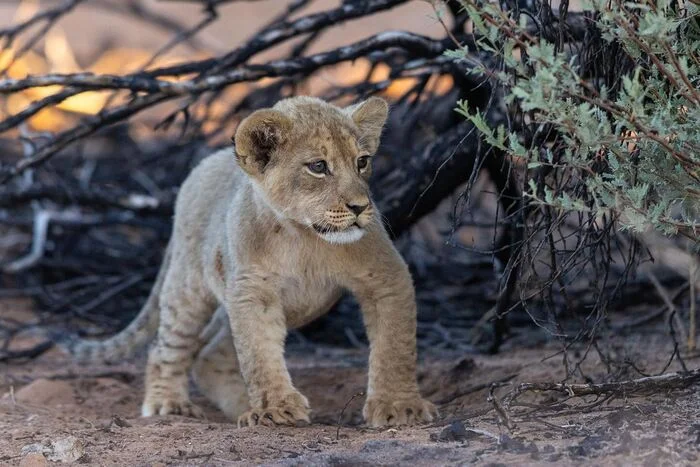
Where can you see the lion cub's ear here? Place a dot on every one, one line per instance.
(370, 117)
(258, 136)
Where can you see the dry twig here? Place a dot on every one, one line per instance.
(629, 388)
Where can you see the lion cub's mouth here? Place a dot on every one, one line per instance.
(336, 235)
(324, 229)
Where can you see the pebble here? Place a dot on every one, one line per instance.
(455, 431)
(34, 459)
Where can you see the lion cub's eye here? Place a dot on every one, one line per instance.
(318, 167)
(362, 162)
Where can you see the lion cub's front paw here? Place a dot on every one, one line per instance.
(170, 406)
(383, 411)
(292, 409)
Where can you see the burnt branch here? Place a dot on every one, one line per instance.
(48, 16)
(413, 44)
(160, 91)
(646, 385)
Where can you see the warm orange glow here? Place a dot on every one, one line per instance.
(120, 60)
(29, 63)
(397, 88)
(60, 58)
(351, 73)
(25, 10)
(59, 53)
(19, 67)
(124, 60)
(57, 56)
(46, 120)
(441, 85)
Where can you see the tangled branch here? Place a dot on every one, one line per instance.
(627, 388)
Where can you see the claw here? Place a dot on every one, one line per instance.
(383, 411)
(165, 406)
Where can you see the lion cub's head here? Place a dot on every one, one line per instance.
(311, 162)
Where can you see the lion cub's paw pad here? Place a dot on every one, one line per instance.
(381, 412)
(171, 407)
(293, 410)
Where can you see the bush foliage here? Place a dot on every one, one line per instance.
(611, 121)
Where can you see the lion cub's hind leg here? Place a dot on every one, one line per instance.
(184, 311)
(217, 373)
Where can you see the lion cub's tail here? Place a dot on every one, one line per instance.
(135, 336)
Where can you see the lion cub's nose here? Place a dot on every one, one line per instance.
(357, 209)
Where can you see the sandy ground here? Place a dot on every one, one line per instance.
(52, 410)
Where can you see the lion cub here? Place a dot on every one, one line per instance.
(271, 235)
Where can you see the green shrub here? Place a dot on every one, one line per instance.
(625, 141)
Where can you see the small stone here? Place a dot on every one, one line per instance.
(120, 422)
(382, 445)
(455, 431)
(516, 445)
(68, 449)
(34, 459)
(311, 446)
(462, 369)
(34, 448)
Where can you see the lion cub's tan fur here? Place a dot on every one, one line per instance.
(271, 244)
